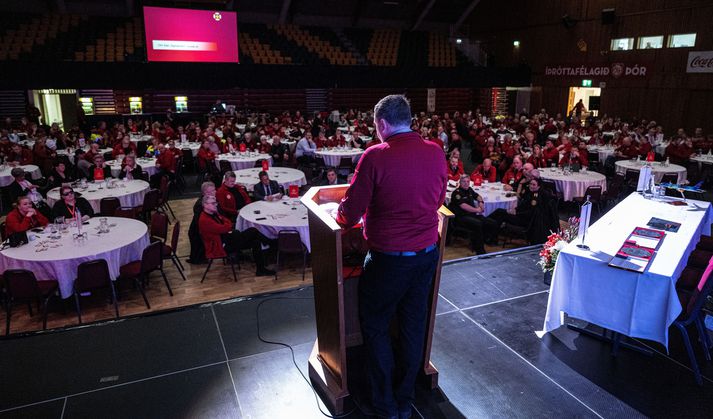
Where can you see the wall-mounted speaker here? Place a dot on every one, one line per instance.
(608, 16)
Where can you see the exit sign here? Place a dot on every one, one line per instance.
(586, 83)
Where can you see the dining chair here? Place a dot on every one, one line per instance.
(127, 212)
(164, 192)
(150, 204)
(290, 242)
(139, 270)
(692, 302)
(22, 286)
(169, 251)
(108, 205)
(93, 275)
(159, 227)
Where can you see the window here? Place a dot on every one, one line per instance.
(682, 40)
(651, 42)
(622, 44)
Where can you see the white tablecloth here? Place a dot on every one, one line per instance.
(574, 184)
(286, 214)
(332, 157)
(6, 178)
(123, 244)
(703, 159)
(603, 151)
(657, 169)
(637, 305)
(130, 193)
(285, 176)
(148, 165)
(246, 161)
(493, 196)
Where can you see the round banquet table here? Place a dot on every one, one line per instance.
(148, 165)
(285, 176)
(291, 144)
(493, 194)
(703, 159)
(244, 161)
(130, 193)
(604, 151)
(274, 216)
(574, 184)
(59, 258)
(657, 169)
(334, 156)
(6, 178)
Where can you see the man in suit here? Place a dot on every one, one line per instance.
(332, 178)
(267, 190)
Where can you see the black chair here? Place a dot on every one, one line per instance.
(669, 178)
(289, 241)
(127, 212)
(169, 251)
(159, 227)
(225, 166)
(108, 206)
(692, 302)
(150, 204)
(22, 286)
(258, 163)
(93, 275)
(594, 192)
(139, 270)
(189, 162)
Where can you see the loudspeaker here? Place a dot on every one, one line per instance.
(608, 16)
(568, 22)
(594, 103)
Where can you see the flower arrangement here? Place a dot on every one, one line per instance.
(556, 242)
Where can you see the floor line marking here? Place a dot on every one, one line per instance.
(227, 361)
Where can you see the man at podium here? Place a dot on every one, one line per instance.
(398, 187)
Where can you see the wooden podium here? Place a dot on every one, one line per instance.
(336, 302)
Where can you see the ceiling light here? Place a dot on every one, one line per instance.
(516, 43)
(459, 41)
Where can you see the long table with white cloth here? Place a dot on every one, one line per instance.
(640, 305)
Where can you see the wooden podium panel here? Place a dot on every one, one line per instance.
(336, 301)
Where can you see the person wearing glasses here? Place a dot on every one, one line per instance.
(219, 237)
(69, 204)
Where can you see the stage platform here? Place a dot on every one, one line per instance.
(207, 361)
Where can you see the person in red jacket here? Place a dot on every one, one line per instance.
(513, 175)
(219, 238)
(537, 158)
(24, 217)
(20, 155)
(486, 170)
(231, 197)
(455, 168)
(205, 156)
(124, 147)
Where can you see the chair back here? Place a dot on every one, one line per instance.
(594, 192)
(187, 155)
(631, 175)
(225, 166)
(593, 157)
(151, 200)
(345, 163)
(175, 235)
(145, 176)
(107, 206)
(319, 161)
(91, 275)
(3, 231)
(108, 156)
(669, 178)
(289, 241)
(159, 226)
(164, 189)
(21, 284)
(258, 163)
(699, 294)
(152, 258)
(126, 212)
(549, 185)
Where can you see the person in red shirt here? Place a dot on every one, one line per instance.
(24, 217)
(486, 170)
(205, 157)
(20, 155)
(166, 165)
(231, 197)
(402, 259)
(513, 175)
(125, 147)
(575, 156)
(455, 168)
(537, 158)
(219, 237)
(550, 152)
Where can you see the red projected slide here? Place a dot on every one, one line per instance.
(185, 35)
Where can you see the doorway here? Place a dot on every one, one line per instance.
(589, 96)
(56, 106)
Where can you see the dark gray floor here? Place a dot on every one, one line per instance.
(208, 362)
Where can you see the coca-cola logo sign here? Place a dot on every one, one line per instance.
(700, 62)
